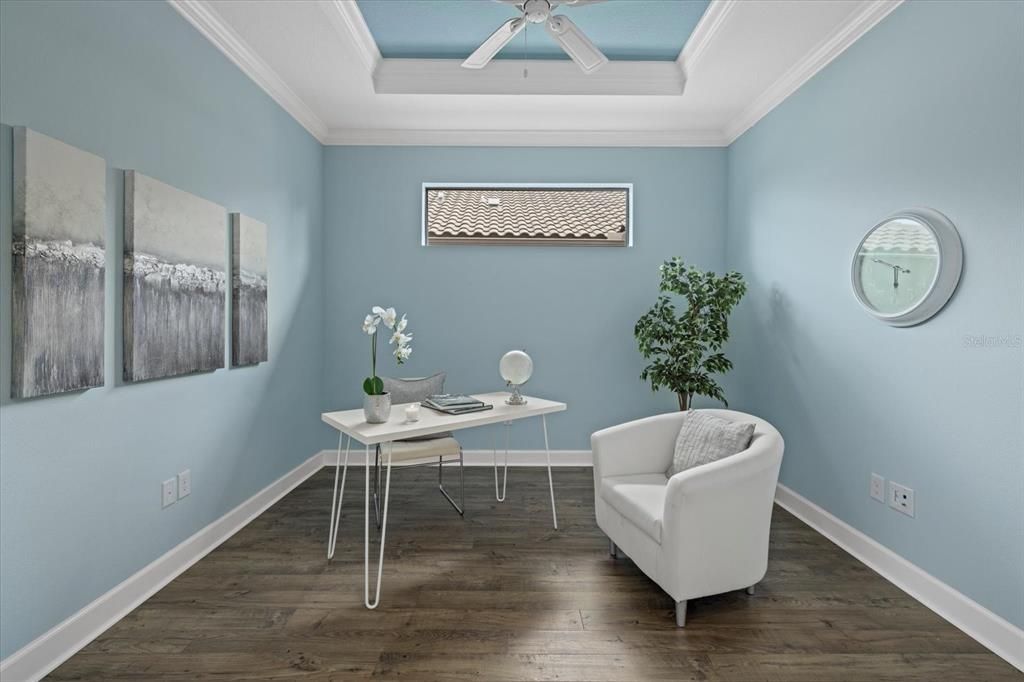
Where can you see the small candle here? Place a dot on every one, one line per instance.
(412, 412)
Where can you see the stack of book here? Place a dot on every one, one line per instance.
(455, 404)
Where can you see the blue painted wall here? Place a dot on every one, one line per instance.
(80, 474)
(899, 120)
(572, 308)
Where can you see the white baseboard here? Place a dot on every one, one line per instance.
(49, 650)
(481, 458)
(59, 643)
(992, 631)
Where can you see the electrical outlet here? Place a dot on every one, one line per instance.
(877, 490)
(184, 483)
(170, 492)
(901, 498)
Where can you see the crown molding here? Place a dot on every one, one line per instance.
(203, 17)
(526, 138)
(549, 77)
(505, 77)
(859, 22)
(348, 21)
(704, 33)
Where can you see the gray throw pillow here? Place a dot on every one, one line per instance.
(416, 391)
(704, 438)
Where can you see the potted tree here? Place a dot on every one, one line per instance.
(684, 347)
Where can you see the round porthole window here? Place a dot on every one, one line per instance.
(907, 266)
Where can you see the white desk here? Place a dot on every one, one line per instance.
(352, 423)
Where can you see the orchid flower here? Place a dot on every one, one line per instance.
(400, 338)
(373, 385)
(387, 315)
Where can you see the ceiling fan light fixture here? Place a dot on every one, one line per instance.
(536, 11)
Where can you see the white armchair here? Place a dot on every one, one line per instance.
(703, 531)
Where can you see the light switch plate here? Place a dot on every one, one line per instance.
(184, 483)
(877, 490)
(169, 492)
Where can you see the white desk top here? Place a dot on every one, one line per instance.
(353, 422)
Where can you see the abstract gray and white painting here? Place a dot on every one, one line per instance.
(248, 291)
(58, 258)
(174, 281)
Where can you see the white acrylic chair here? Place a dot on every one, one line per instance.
(701, 532)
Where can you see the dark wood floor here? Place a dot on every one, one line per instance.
(500, 595)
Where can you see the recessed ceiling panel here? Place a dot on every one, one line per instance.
(628, 30)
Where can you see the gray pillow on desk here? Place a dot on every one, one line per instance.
(416, 391)
(704, 438)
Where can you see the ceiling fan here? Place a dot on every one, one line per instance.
(567, 34)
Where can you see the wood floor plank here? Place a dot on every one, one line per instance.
(802, 667)
(500, 595)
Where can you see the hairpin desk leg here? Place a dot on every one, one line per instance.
(504, 483)
(551, 484)
(336, 497)
(366, 532)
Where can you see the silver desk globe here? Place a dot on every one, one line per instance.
(516, 367)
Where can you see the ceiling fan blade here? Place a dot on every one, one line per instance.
(578, 3)
(575, 43)
(482, 56)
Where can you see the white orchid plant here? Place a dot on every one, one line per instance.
(373, 385)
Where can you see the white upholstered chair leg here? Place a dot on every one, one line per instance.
(681, 614)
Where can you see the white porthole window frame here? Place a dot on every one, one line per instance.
(947, 271)
(627, 186)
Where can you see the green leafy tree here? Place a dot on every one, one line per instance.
(684, 347)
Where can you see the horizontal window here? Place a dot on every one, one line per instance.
(584, 215)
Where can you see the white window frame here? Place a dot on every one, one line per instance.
(628, 186)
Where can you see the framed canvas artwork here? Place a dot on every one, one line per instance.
(174, 281)
(58, 258)
(248, 291)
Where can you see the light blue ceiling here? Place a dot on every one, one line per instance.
(451, 29)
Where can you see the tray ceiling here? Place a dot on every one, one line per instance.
(320, 60)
